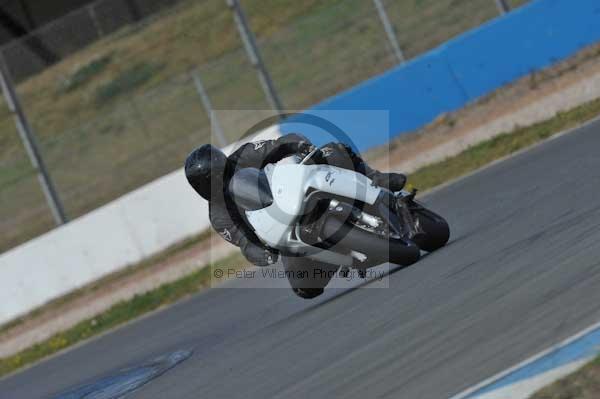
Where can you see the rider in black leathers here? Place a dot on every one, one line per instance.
(208, 171)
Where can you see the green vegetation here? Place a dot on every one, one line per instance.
(501, 146)
(126, 81)
(105, 282)
(425, 178)
(130, 113)
(120, 313)
(583, 384)
(85, 73)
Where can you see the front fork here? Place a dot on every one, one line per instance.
(395, 209)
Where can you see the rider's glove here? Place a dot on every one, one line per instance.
(305, 148)
(258, 255)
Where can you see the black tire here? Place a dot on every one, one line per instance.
(377, 248)
(435, 227)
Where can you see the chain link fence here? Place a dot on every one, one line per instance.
(109, 90)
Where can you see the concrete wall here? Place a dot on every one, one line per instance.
(125, 231)
(471, 65)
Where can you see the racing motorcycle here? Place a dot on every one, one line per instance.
(334, 216)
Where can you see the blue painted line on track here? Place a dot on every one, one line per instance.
(586, 346)
(125, 381)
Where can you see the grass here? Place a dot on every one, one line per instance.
(501, 146)
(582, 384)
(126, 81)
(150, 115)
(120, 313)
(425, 178)
(105, 282)
(85, 73)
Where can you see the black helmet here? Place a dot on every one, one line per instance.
(204, 165)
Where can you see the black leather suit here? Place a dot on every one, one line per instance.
(232, 226)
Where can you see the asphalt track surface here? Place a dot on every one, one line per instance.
(522, 272)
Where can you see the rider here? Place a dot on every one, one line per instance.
(208, 170)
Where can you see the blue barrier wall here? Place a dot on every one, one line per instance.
(465, 68)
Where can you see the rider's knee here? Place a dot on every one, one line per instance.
(308, 293)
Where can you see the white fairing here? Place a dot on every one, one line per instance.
(289, 185)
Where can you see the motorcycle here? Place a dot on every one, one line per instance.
(319, 215)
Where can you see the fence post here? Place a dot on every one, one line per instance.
(389, 30)
(503, 6)
(134, 10)
(30, 143)
(215, 126)
(95, 21)
(254, 55)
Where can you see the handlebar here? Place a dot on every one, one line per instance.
(309, 156)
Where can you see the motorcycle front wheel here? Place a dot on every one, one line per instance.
(435, 227)
(375, 247)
